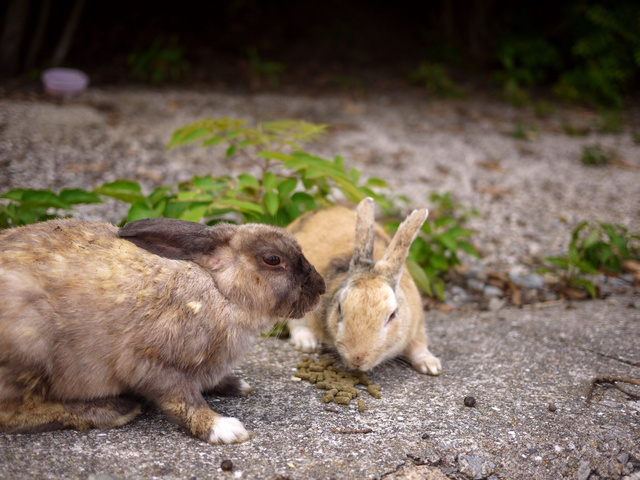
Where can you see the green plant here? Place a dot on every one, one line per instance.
(525, 62)
(573, 131)
(24, 206)
(543, 109)
(606, 51)
(611, 121)
(595, 248)
(523, 131)
(162, 61)
(288, 182)
(437, 247)
(594, 156)
(261, 68)
(435, 78)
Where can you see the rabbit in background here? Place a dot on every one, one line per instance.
(372, 311)
(93, 318)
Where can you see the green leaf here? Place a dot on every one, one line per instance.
(439, 262)
(272, 201)
(376, 183)
(468, 248)
(558, 262)
(191, 196)
(188, 134)
(420, 277)
(208, 183)
(158, 195)
(15, 194)
(350, 191)
(125, 190)
(77, 196)
(269, 182)
(195, 213)
(212, 141)
(140, 210)
(230, 151)
(43, 198)
(448, 240)
(303, 198)
(443, 222)
(239, 205)
(287, 186)
(247, 180)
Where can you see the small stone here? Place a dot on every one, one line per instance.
(476, 285)
(470, 401)
(491, 291)
(495, 304)
(552, 407)
(475, 466)
(425, 436)
(226, 465)
(584, 470)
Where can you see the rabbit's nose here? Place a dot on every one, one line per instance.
(356, 361)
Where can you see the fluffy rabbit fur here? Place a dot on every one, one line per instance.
(93, 318)
(372, 311)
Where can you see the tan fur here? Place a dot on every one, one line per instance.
(87, 316)
(367, 294)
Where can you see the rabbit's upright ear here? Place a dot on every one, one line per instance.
(363, 244)
(390, 265)
(176, 239)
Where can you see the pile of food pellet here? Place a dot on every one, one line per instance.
(339, 385)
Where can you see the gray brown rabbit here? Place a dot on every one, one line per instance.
(372, 310)
(93, 318)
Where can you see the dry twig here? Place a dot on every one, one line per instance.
(613, 382)
(349, 432)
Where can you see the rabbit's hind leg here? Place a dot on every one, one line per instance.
(231, 386)
(34, 414)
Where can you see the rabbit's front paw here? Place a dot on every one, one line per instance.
(228, 430)
(302, 338)
(427, 363)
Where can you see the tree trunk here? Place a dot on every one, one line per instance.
(13, 35)
(38, 35)
(67, 35)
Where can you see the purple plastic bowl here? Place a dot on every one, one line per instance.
(64, 81)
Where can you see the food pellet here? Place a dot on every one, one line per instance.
(374, 390)
(340, 386)
(470, 401)
(226, 465)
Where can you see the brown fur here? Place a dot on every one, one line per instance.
(87, 316)
(366, 283)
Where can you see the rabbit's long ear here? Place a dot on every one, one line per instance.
(390, 265)
(363, 244)
(176, 239)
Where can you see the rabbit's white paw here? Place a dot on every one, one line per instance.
(228, 430)
(302, 338)
(427, 363)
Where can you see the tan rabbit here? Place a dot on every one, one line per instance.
(93, 317)
(372, 310)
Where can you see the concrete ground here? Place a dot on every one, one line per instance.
(528, 370)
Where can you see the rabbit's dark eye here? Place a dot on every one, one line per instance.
(272, 260)
(391, 317)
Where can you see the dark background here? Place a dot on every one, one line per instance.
(320, 44)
